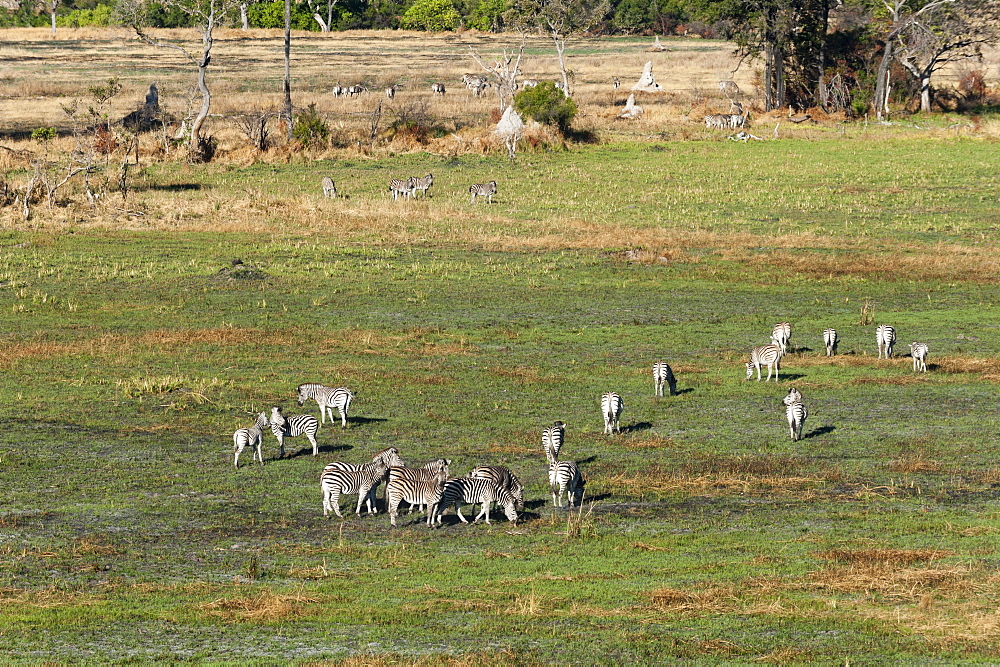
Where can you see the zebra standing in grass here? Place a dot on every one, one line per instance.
(329, 189)
(781, 335)
(552, 440)
(919, 353)
(764, 355)
(718, 121)
(252, 437)
(885, 337)
(794, 396)
(796, 414)
(505, 478)
(564, 477)
(327, 398)
(437, 88)
(423, 491)
(663, 374)
(483, 190)
(428, 471)
(339, 90)
(615, 83)
(830, 340)
(423, 184)
(611, 408)
(390, 92)
(485, 491)
(292, 427)
(334, 483)
(401, 187)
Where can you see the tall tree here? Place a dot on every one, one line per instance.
(287, 83)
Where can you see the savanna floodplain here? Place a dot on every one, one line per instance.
(134, 346)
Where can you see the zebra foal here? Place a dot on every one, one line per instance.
(611, 408)
(292, 427)
(919, 353)
(401, 187)
(252, 437)
(663, 374)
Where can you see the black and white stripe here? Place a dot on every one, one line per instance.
(919, 353)
(764, 355)
(327, 398)
(401, 187)
(552, 440)
(781, 334)
(428, 471)
(334, 483)
(663, 374)
(466, 490)
(252, 437)
(505, 478)
(794, 396)
(292, 427)
(389, 457)
(885, 338)
(437, 88)
(483, 190)
(830, 340)
(564, 477)
(611, 408)
(423, 491)
(796, 414)
(422, 184)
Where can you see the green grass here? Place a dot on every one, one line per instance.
(125, 532)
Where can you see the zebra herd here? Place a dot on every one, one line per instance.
(407, 188)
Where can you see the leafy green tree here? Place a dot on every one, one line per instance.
(487, 16)
(431, 15)
(546, 104)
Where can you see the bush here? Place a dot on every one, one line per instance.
(272, 15)
(310, 129)
(546, 104)
(99, 16)
(431, 15)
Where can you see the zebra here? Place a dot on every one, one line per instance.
(390, 92)
(483, 190)
(423, 184)
(422, 491)
(794, 396)
(796, 414)
(919, 353)
(329, 188)
(529, 83)
(401, 187)
(615, 83)
(885, 337)
(830, 339)
(252, 437)
(718, 121)
(437, 88)
(480, 90)
(764, 355)
(356, 89)
(292, 427)
(339, 90)
(505, 478)
(738, 121)
(426, 472)
(663, 374)
(389, 456)
(781, 335)
(474, 80)
(327, 398)
(552, 440)
(564, 477)
(611, 408)
(729, 88)
(334, 482)
(466, 490)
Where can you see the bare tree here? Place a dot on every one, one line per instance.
(324, 22)
(504, 70)
(51, 6)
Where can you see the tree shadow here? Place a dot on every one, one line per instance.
(822, 430)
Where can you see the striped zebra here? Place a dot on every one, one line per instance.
(329, 188)
(485, 491)
(796, 414)
(781, 335)
(564, 477)
(423, 184)
(552, 440)
(424, 491)
(483, 190)
(327, 398)
(292, 427)
(437, 89)
(919, 353)
(717, 121)
(885, 337)
(505, 478)
(615, 83)
(334, 483)
(529, 83)
(738, 120)
(764, 355)
(339, 90)
(356, 89)
(663, 374)
(428, 471)
(252, 437)
(390, 92)
(794, 396)
(388, 456)
(830, 339)
(611, 408)
(401, 187)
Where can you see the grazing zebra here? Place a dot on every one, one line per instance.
(356, 89)
(427, 471)
(327, 398)
(292, 427)
(564, 476)
(480, 90)
(437, 88)
(781, 335)
(830, 339)
(339, 90)
(737, 120)
(615, 83)
(329, 189)
(729, 88)
(485, 491)
(552, 440)
(796, 414)
(483, 190)
(529, 83)
(764, 355)
(401, 187)
(919, 353)
(794, 396)
(334, 482)
(505, 478)
(611, 408)
(252, 437)
(718, 121)
(421, 491)
(390, 92)
(885, 337)
(423, 184)
(474, 80)
(663, 374)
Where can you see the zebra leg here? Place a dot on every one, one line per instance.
(484, 512)
(260, 453)
(312, 440)
(237, 450)
(343, 418)
(281, 447)
(458, 510)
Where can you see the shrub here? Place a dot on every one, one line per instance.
(546, 104)
(431, 15)
(310, 129)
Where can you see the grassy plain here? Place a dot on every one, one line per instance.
(132, 350)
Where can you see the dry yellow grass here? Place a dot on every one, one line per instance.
(263, 606)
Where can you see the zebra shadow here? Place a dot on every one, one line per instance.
(589, 459)
(638, 426)
(362, 421)
(799, 350)
(793, 376)
(322, 449)
(822, 430)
